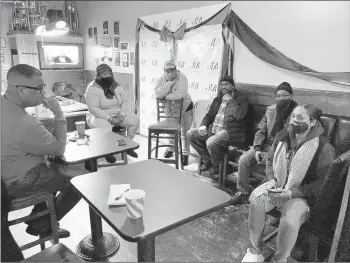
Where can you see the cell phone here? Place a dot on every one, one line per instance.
(121, 142)
(272, 190)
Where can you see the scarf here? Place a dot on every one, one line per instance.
(289, 170)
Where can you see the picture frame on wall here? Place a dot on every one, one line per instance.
(125, 59)
(116, 27)
(3, 43)
(105, 27)
(132, 58)
(117, 59)
(97, 61)
(2, 52)
(116, 42)
(90, 32)
(95, 36)
(2, 58)
(124, 45)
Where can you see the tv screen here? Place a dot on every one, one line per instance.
(61, 55)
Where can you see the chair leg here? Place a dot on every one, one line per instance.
(157, 145)
(224, 170)
(53, 220)
(177, 150)
(220, 174)
(313, 248)
(42, 245)
(125, 158)
(181, 156)
(199, 165)
(149, 145)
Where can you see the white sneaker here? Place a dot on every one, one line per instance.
(249, 257)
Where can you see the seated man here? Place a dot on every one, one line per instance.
(273, 122)
(107, 106)
(227, 117)
(173, 85)
(26, 143)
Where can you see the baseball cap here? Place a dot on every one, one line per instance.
(169, 64)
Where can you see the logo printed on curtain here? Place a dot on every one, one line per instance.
(197, 20)
(212, 88)
(213, 66)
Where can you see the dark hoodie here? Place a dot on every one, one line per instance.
(319, 169)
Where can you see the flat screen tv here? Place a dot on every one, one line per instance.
(55, 55)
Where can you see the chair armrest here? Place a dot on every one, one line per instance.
(344, 156)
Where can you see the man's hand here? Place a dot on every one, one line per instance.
(258, 156)
(202, 130)
(285, 193)
(52, 104)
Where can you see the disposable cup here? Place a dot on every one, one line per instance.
(80, 126)
(135, 200)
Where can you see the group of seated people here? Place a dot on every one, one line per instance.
(289, 139)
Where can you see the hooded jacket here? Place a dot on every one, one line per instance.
(235, 117)
(320, 166)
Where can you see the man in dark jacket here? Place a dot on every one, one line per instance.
(223, 125)
(273, 122)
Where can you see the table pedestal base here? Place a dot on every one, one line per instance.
(104, 248)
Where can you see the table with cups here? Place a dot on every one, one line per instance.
(158, 198)
(86, 146)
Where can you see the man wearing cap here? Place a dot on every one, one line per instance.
(107, 106)
(173, 85)
(223, 125)
(273, 122)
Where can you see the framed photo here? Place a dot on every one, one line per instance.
(90, 32)
(116, 27)
(125, 59)
(117, 58)
(124, 45)
(132, 58)
(97, 61)
(3, 43)
(2, 52)
(105, 27)
(116, 42)
(2, 58)
(95, 31)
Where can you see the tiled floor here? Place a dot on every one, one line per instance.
(220, 236)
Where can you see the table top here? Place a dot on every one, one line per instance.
(172, 197)
(100, 144)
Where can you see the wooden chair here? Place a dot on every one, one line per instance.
(55, 253)
(169, 114)
(22, 203)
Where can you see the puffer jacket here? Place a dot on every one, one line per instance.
(235, 117)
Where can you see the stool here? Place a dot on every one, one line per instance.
(171, 111)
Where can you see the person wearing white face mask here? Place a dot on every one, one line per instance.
(297, 163)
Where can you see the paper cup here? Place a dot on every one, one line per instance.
(80, 126)
(134, 203)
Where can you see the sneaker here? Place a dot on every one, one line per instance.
(133, 154)
(168, 154)
(240, 198)
(185, 160)
(214, 172)
(206, 166)
(62, 233)
(249, 257)
(111, 159)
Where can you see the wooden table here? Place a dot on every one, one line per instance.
(98, 245)
(173, 198)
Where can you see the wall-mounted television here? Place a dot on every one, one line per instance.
(54, 55)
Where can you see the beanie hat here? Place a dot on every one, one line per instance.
(102, 68)
(228, 79)
(285, 86)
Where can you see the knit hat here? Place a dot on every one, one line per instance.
(102, 68)
(228, 79)
(285, 86)
(169, 64)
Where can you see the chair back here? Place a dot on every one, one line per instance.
(170, 110)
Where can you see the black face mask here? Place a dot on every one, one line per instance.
(105, 82)
(282, 104)
(299, 127)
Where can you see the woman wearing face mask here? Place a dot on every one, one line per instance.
(107, 106)
(298, 161)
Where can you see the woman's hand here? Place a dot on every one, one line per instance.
(285, 193)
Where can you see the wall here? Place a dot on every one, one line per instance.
(316, 34)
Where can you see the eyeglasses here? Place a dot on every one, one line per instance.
(283, 96)
(40, 88)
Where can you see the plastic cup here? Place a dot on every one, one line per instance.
(135, 200)
(80, 126)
